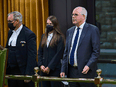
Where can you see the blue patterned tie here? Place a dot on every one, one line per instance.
(73, 48)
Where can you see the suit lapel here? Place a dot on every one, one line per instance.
(10, 34)
(71, 36)
(84, 31)
(20, 36)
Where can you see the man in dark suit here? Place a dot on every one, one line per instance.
(82, 49)
(22, 50)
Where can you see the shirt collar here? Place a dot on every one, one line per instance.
(81, 26)
(51, 34)
(19, 29)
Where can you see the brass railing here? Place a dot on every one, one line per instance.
(37, 78)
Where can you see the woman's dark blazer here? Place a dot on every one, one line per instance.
(51, 56)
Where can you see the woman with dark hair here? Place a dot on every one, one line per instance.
(50, 51)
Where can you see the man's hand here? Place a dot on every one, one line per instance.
(85, 70)
(62, 74)
(42, 68)
(47, 70)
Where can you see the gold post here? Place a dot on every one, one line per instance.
(98, 78)
(36, 69)
(99, 71)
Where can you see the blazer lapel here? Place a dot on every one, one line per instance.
(71, 36)
(84, 31)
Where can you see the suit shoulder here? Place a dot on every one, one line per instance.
(10, 31)
(42, 36)
(27, 30)
(92, 26)
(71, 28)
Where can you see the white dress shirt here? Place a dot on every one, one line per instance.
(74, 34)
(49, 38)
(13, 38)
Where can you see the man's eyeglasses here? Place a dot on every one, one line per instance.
(9, 21)
(74, 14)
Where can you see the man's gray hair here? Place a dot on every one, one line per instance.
(16, 15)
(83, 12)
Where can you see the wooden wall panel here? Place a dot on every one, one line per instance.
(27, 13)
(43, 14)
(16, 5)
(22, 9)
(5, 29)
(39, 24)
(12, 5)
(9, 6)
(1, 22)
(33, 15)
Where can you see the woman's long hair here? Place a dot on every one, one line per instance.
(56, 33)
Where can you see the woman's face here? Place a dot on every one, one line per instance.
(49, 22)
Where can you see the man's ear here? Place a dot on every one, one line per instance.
(17, 21)
(83, 15)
